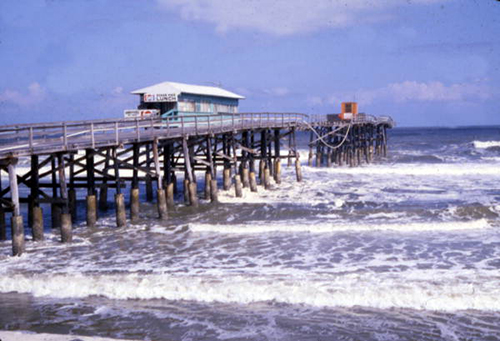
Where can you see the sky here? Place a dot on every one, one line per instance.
(423, 62)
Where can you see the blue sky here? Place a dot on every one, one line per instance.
(424, 62)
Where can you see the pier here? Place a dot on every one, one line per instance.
(242, 150)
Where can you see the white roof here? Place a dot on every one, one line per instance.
(178, 88)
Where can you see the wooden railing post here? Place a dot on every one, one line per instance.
(137, 133)
(117, 139)
(92, 137)
(65, 136)
(168, 126)
(31, 139)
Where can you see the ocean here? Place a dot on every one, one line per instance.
(405, 248)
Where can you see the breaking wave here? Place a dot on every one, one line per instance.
(258, 227)
(486, 144)
(416, 289)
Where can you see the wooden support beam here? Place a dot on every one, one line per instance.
(17, 220)
(135, 172)
(14, 189)
(149, 184)
(90, 168)
(187, 160)
(103, 188)
(156, 161)
(62, 182)
(210, 158)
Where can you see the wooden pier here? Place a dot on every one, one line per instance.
(121, 154)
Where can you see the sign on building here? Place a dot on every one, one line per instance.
(141, 113)
(160, 98)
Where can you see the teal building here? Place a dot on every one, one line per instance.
(172, 100)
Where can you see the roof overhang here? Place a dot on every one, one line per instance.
(172, 89)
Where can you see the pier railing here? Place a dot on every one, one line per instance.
(26, 139)
(358, 119)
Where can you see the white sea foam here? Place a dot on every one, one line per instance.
(321, 227)
(27, 335)
(444, 169)
(485, 144)
(418, 289)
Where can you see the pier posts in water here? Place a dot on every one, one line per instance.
(36, 217)
(3, 225)
(72, 191)
(103, 189)
(121, 217)
(161, 196)
(190, 184)
(66, 224)
(66, 228)
(238, 186)
(168, 155)
(91, 210)
(134, 190)
(213, 191)
(348, 144)
(37, 228)
(211, 171)
(208, 183)
(252, 181)
(149, 181)
(267, 178)
(277, 157)
(17, 225)
(91, 197)
(55, 208)
(310, 158)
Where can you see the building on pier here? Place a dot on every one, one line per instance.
(171, 100)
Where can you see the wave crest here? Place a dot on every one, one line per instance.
(417, 289)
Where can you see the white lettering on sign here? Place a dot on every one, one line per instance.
(160, 98)
(141, 113)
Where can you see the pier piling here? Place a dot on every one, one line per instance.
(208, 183)
(66, 228)
(3, 225)
(238, 186)
(214, 191)
(37, 228)
(18, 245)
(134, 205)
(91, 210)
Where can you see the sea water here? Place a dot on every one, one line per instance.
(406, 248)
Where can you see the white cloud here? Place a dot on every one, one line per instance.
(277, 92)
(315, 100)
(118, 90)
(285, 17)
(436, 91)
(35, 94)
(412, 91)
